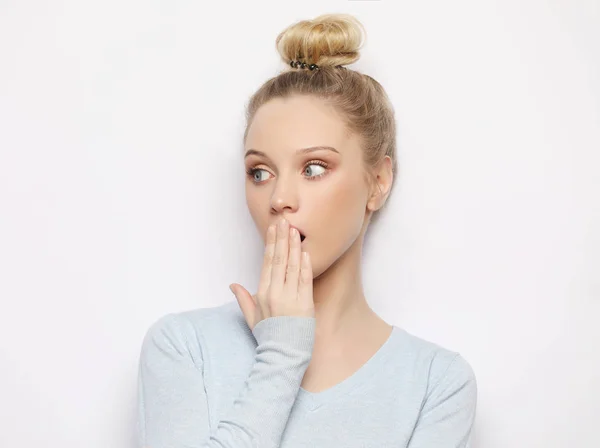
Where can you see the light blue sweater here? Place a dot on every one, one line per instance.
(207, 381)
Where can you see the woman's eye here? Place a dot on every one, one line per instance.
(312, 171)
(256, 174)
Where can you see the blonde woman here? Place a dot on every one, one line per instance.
(305, 362)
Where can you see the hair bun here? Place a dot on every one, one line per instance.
(327, 40)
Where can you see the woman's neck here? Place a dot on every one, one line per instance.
(340, 303)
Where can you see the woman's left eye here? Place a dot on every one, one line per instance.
(317, 165)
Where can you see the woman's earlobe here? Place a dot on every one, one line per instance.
(381, 186)
(377, 198)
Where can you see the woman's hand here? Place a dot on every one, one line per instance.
(285, 287)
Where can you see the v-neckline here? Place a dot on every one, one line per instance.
(313, 400)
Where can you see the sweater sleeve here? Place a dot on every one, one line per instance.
(172, 402)
(448, 413)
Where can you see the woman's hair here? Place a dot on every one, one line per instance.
(332, 41)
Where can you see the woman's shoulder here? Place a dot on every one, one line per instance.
(437, 361)
(196, 331)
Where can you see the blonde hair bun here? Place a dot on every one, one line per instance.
(327, 40)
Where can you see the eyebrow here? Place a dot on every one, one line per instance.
(298, 151)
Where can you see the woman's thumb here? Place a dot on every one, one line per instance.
(245, 301)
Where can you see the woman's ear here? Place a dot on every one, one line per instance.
(383, 177)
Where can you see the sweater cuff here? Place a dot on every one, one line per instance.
(295, 331)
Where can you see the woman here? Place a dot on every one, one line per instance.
(305, 362)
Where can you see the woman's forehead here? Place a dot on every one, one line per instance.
(299, 122)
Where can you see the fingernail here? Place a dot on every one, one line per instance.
(231, 289)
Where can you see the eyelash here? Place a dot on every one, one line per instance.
(251, 171)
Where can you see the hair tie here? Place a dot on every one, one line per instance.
(303, 65)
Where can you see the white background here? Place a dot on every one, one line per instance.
(121, 198)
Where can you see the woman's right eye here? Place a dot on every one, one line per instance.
(255, 174)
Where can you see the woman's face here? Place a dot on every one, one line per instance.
(322, 192)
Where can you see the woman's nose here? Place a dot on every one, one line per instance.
(283, 199)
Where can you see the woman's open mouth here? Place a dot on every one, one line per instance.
(302, 237)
